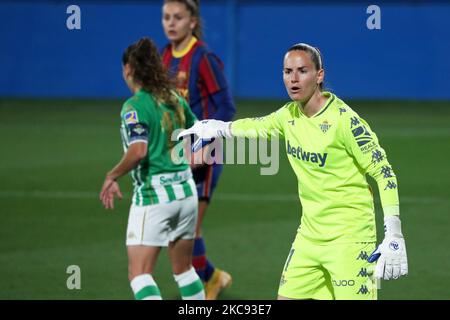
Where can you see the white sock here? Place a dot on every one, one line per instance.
(191, 287)
(145, 288)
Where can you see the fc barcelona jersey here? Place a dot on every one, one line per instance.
(198, 74)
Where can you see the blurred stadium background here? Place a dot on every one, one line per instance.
(60, 95)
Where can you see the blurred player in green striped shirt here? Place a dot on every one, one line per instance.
(164, 206)
(331, 149)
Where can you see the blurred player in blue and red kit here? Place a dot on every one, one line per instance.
(199, 78)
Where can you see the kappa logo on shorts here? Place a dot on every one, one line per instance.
(363, 273)
(363, 290)
(131, 235)
(363, 256)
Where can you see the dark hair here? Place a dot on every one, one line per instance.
(193, 6)
(148, 71)
(315, 54)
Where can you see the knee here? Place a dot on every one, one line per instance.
(135, 270)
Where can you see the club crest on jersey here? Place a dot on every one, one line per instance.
(139, 129)
(182, 84)
(324, 126)
(131, 117)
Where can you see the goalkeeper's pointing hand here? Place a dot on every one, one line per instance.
(206, 131)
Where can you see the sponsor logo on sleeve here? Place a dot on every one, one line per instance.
(362, 135)
(131, 117)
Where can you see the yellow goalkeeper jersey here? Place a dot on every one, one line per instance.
(330, 153)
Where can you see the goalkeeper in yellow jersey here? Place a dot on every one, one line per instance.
(331, 149)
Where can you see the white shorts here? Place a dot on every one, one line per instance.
(158, 224)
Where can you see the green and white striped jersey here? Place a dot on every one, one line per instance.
(158, 178)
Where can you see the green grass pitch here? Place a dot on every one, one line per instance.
(54, 154)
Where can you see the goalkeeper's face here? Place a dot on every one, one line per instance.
(177, 21)
(300, 76)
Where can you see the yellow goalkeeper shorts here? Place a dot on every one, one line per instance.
(338, 271)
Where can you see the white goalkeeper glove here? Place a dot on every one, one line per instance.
(391, 253)
(206, 131)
